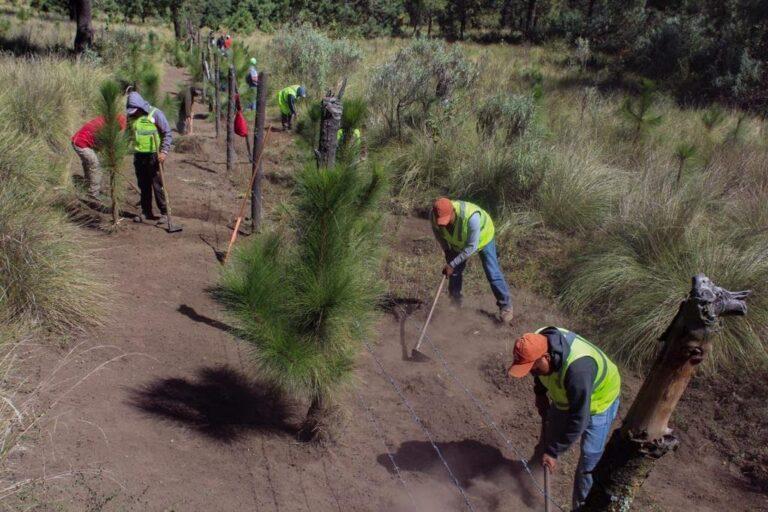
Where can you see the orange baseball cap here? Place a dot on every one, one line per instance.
(528, 349)
(442, 210)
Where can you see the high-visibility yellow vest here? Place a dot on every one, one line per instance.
(457, 238)
(356, 135)
(607, 385)
(145, 134)
(282, 98)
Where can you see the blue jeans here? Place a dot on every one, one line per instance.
(493, 273)
(592, 445)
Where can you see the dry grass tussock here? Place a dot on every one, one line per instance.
(48, 280)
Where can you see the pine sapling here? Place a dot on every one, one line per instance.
(112, 143)
(639, 112)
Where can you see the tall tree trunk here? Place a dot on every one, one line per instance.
(84, 33)
(645, 435)
(530, 17)
(590, 11)
(178, 31)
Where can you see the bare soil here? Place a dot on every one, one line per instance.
(176, 421)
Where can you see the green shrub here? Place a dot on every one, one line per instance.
(304, 306)
(511, 113)
(307, 56)
(417, 77)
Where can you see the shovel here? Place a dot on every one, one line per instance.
(546, 489)
(171, 227)
(415, 354)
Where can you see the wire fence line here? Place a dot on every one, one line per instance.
(488, 419)
(382, 437)
(421, 424)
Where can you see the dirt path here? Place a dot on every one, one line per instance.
(175, 421)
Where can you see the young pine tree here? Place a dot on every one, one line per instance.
(304, 302)
(639, 112)
(112, 143)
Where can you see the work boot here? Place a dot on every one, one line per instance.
(143, 218)
(162, 219)
(456, 302)
(506, 315)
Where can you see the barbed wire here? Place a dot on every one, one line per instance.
(421, 424)
(380, 433)
(491, 423)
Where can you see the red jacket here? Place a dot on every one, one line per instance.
(227, 43)
(86, 135)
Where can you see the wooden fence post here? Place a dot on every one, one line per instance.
(204, 68)
(216, 86)
(258, 147)
(645, 435)
(231, 119)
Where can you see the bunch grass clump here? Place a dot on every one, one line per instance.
(637, 269)
(304, 300)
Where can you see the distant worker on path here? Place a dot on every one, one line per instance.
(286, 100)
(462, 229)
(152, 142)
(85, 143)
(577, 392)
(252, 79)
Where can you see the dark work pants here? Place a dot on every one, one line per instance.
(148, 177)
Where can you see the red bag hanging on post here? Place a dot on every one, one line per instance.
(241, 126)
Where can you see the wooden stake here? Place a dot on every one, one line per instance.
(258, 149)
(216, 86)
(231, 119)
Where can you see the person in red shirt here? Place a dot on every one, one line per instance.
(84, 143)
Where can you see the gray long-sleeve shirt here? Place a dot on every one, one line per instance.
(473, 240)
(135, 100)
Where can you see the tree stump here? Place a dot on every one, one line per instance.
(645, 435)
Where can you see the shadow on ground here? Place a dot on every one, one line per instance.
(220, 403)
(190, 313)
(472, 462)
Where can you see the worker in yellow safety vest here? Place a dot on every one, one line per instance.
(463, 229)
(577, 392)
(151, 144)
(286, 100)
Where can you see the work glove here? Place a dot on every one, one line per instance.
(447, 271)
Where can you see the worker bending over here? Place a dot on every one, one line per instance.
(577, 396)
(463, 229)
(286, 100)
(85, 143)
